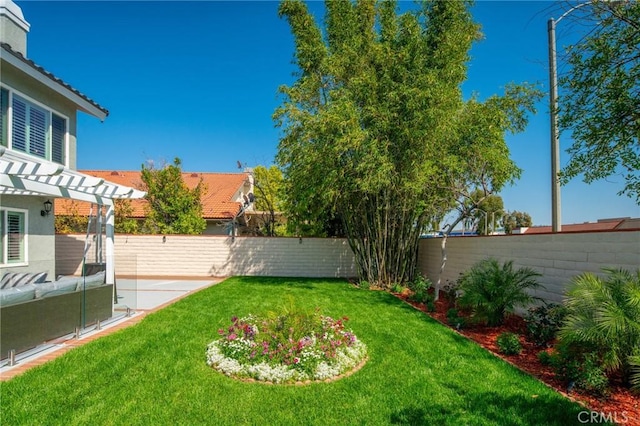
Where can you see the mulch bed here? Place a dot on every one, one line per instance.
(619, 399)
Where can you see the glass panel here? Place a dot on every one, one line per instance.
(15, 237)
(4, 113)
(2, 238)
(59, 130)
(38, 131)
(19, 125)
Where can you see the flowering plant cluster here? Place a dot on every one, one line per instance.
(286, 348)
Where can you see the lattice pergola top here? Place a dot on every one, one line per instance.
(21, 174)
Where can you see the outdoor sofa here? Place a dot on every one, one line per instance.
(33, 311)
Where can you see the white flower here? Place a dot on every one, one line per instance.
(346, 358)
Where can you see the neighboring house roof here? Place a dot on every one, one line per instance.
(218, 198)
(18, 60)
(600, 225)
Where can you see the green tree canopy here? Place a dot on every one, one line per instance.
(515, 219)
(73, 222)
(172, 207)
(376, 132)
(600, 98)
(488, 212)
(267, 187)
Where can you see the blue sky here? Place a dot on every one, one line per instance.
(198, 80)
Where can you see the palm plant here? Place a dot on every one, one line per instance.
(492, 290)
(604, 314)
(635, 372)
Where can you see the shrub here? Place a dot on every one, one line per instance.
(603, 315)
(420, 283)
(364, 285)
(397, 288)
(420, 287)
(509, 343)
(579, 368)
(492, 290)
(544, 357)
(455, 319)
(592, 378)
(543, 323)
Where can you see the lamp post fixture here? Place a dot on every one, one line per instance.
(556, 225)
(486, 218)
(493, 220)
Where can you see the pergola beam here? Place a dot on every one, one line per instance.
(21, 174)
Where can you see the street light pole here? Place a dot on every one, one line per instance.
(556, 224)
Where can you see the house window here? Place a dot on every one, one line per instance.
(13, 236)
(34, 129)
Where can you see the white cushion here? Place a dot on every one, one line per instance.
(62, 286)
(90, 281)
(13, 295)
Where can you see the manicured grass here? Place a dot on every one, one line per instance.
(154, 373)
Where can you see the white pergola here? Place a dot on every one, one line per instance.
(21, 174)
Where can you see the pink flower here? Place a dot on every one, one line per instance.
(232, 336)
(296, 360)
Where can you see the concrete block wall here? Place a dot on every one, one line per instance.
(208, 255)
(558, 257)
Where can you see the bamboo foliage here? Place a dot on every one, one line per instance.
(373, 129)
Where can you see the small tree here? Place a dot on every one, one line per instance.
(488, 212)
(172, 207)
(72, 222)
(124, 223)
(516, 219)
(267, 186)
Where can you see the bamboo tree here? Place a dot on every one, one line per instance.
(373, 128)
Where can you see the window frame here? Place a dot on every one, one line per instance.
(49, 112)
(4, 237)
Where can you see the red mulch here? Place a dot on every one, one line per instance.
(619, 399)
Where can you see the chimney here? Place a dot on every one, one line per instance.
(13, 27)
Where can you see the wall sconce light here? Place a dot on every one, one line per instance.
(47, 208)
(164, 238)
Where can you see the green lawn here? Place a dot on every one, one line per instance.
(154, 373)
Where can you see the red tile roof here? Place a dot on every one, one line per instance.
(217, 197)
(600, 225)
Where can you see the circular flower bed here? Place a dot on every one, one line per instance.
(287, 348)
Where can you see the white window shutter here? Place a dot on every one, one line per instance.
(19, 125)
(15, 237)
(38, 128)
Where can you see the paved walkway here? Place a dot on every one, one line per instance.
(141, 296)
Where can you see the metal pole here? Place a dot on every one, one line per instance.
(99, 235)
(556, 224)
